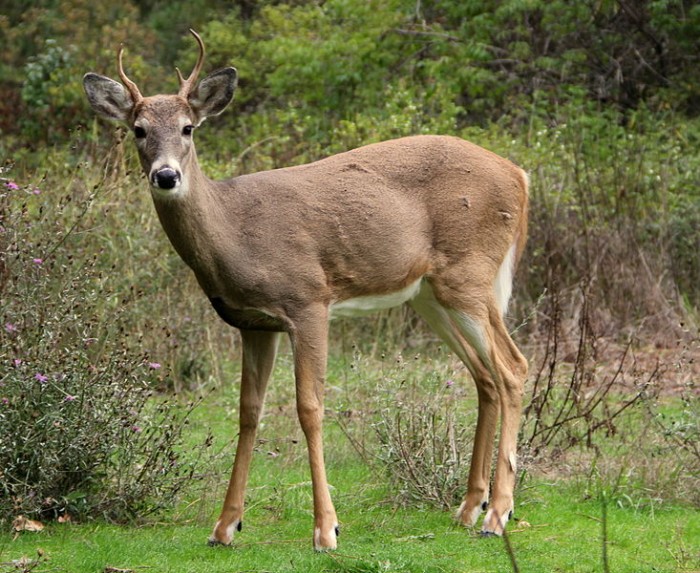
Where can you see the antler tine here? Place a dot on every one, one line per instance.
(186, 85)
(131, 86)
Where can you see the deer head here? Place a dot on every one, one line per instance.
(163, 124)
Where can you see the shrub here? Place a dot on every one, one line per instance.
(425, 439)
(80, 430)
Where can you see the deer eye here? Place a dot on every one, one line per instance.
(139, 132)
(187, 130)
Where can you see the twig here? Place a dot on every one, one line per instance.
(604, 533)
(511, 553)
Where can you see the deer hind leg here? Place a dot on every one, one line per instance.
(438, 318)
(476, 333)
(512, 367)
(259, 351)
(500, 377)
(310, 346)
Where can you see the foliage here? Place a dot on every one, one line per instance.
(612, 200)
(79, 430)
(424, 439)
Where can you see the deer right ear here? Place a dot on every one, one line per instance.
(108, 98)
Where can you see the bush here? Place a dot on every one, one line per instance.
(425, 438)
(80, 430)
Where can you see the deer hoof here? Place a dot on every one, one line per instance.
(224, 535)
(468, 516)
(495, 525)
(326, 541)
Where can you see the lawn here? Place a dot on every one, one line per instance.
(558, 531)
(559, 524)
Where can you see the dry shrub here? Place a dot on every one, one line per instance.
(425, 444)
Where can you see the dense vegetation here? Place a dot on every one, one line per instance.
(598, 100)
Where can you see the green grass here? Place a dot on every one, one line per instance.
(559, 525)
(564, 534)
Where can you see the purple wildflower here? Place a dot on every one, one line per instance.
(11, 328)
(12, 186)
(38, 261)
(135, 428)
(449, 383)
(5, 401)
(17, 362)
(69, 398)
(41, 378)
(154, 365)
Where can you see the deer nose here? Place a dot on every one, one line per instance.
(166, 178)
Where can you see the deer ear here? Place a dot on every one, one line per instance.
(213, 93)
(108, 98)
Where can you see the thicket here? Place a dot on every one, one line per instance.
(599, 101)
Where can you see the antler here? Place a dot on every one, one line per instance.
(186, 85)
(131, 86)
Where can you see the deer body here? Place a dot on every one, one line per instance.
(431, 220)
(335, 210)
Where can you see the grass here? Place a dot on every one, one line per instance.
(559, 525)
(564, 534)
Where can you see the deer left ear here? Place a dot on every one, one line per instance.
(213, 93)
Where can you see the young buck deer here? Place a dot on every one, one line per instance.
(437, 222)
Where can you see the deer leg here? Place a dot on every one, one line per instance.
(442, 321)
(500, 379)
(511, 368)
(476, 499)
(310, 345)
(476, 343)
(500, 376)
(476, 333)
(259, 350)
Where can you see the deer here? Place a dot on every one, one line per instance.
(433, 221)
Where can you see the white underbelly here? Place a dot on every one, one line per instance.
(366, 304)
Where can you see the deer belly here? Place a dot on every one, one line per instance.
(366, 304)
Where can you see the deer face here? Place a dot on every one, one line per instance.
(162, 128)
(162, 125)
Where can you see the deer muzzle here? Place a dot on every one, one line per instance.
(166, 178)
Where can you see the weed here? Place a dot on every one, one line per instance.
(80, 432)
(424, 438)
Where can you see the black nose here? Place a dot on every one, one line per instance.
(166, 178)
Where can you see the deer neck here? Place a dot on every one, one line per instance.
(188, 216)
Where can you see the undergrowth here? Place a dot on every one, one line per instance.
(81, 432)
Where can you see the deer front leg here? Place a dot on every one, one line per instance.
(259, 350)
(310, 344)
